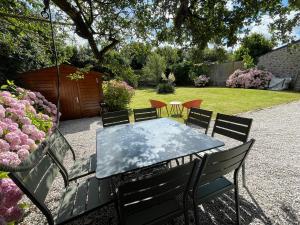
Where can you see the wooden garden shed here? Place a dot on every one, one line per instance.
(78, 99)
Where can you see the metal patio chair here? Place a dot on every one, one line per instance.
(76, 201)
(235, 127)
(157, 199)
(115, 118)
(58, 148)
(144, 114)
(199, 118)
(211, 183)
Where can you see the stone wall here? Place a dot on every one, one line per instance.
(283, 62)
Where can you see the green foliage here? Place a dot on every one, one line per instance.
(165, 88)
(216, 54)
(41, 123)
(120, 68)
(181, 72)
(253, 45)
(169, 53)
(80, 73)
(3, 175)
(154, 68)
(26, 44)
(136, 53)
(117, 94)
(248, 61)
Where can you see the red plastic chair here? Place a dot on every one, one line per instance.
(158, 105)
(191, 104)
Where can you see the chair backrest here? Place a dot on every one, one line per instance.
(144, 114)
(115, 118)
(157, 104)
(192, 104)
(199, 117)
(58, 147)
(37, 181)
(146, 193)
(218, 164)
(234, 127)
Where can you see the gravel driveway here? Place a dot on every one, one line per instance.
(273, 171)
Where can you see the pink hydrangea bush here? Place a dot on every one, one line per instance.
(201, 81)
(251, 78)
(26, 118)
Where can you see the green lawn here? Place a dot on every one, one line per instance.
(224, 100)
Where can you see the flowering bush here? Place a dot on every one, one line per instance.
(201, 81)
(26, 118)
(117, 94)
(251, 78)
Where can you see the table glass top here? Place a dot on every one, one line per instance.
(126, 147)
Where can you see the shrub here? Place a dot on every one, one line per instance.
(251, 78)
(201, 81)
(165, 88)
(117, 94)
(26, 118)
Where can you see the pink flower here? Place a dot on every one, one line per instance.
(4, 146)
(13, 137)
(31, 95)
(25, 121)
(9, 159)
(12, 194)
(23, 154)
(2, 112)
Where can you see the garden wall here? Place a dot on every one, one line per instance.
(219, 73)
(283, 62)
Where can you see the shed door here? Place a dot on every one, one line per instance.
(89, 95)
(69, 99)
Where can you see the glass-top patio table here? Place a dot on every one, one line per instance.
(123, 148)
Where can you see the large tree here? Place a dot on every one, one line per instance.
(104, 23)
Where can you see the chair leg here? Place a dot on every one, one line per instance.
(186, 217)
(244, 174)
(167, 110)
(196, 215)
(237, 203)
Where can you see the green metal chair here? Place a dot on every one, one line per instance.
(144, 114)
(210, 181)
(58, 148)
(76, 201)
(234, 127)
(115, 118)
(199, 118)
(157, 199)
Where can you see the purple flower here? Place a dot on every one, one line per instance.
(13, 137)
(4, 146)
(9, 159)
(23, 154)
(2, 221)
(12, 194)
(14, 213)
(2, 112)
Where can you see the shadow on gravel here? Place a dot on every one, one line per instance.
(221, 211)
(79, 125)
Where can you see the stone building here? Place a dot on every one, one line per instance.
(283, 62)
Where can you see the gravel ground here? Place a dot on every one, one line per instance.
(273, 171)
